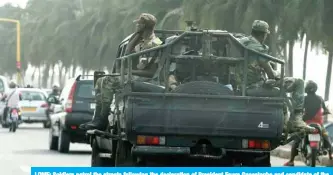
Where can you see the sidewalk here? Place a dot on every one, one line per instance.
(284, 152)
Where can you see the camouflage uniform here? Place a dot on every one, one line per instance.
(106, 86)
(256, 74)
(104, 91)
(149, 41)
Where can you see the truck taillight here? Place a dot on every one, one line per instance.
(256, 144)
(69, 103)
(150, 140)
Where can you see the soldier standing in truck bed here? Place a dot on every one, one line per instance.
(143, 38)
(258, 68)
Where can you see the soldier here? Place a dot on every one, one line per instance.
(104, 90)
(258, 67)
(143, 38)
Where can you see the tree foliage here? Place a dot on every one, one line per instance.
(86, 33)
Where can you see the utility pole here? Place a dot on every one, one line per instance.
(18, 47)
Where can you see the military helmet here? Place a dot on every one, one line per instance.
(148, 19)
(311, 87)
(260, 26)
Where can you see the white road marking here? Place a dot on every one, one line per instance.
(25, 168)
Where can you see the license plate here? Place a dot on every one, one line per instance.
(28, 109)
(314, 137)
(92, 106)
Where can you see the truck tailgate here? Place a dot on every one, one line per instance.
(206, 115)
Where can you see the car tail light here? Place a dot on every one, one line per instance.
(150, 140)
(73, 127)
(45, 105)
(69, 104)
(256, 144)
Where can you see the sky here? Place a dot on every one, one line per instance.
(316, 69)
(21, 3)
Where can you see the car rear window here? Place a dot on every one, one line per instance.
(32, 96)
(85, 90)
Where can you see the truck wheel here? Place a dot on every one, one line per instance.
(203, 87)
(96, 160)
(53, 140)
(123, 156)
(64, 142)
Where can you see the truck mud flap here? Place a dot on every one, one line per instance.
(102, 134)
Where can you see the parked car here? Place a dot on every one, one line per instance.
(76, 107)
(4, 89)
(48, 91)
(4, 85)
(32, 104)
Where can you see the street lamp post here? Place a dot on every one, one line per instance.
(18, 45)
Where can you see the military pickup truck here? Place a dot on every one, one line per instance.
(210, 118)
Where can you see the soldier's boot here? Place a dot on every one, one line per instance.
(99, 121)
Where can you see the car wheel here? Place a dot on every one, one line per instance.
(96, 160)
(63, 142)
(4, 125)
(53, 140)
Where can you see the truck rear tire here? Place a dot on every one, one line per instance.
(96, 160)
(123, 157)
(203, 87)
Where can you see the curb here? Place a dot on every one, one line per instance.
(284, 152)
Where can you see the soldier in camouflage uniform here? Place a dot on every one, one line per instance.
(143, 38)
(259, 67)
(104, 90)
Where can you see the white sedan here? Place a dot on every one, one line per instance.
(31, 103)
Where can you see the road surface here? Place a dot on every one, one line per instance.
(29, 147)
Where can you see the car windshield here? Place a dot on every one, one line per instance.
(32, 96)
(85, 90)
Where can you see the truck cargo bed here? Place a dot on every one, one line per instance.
(205, 115)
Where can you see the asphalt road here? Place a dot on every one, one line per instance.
(28, 147)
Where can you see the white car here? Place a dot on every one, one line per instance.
(31, 103)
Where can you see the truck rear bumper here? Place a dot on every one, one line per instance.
(183, 151)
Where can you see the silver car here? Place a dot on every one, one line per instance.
(32, 103)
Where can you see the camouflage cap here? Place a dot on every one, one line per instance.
(261, 26)
(147, 18)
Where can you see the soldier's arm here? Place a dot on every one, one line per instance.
(268, 69)
(172, 80)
